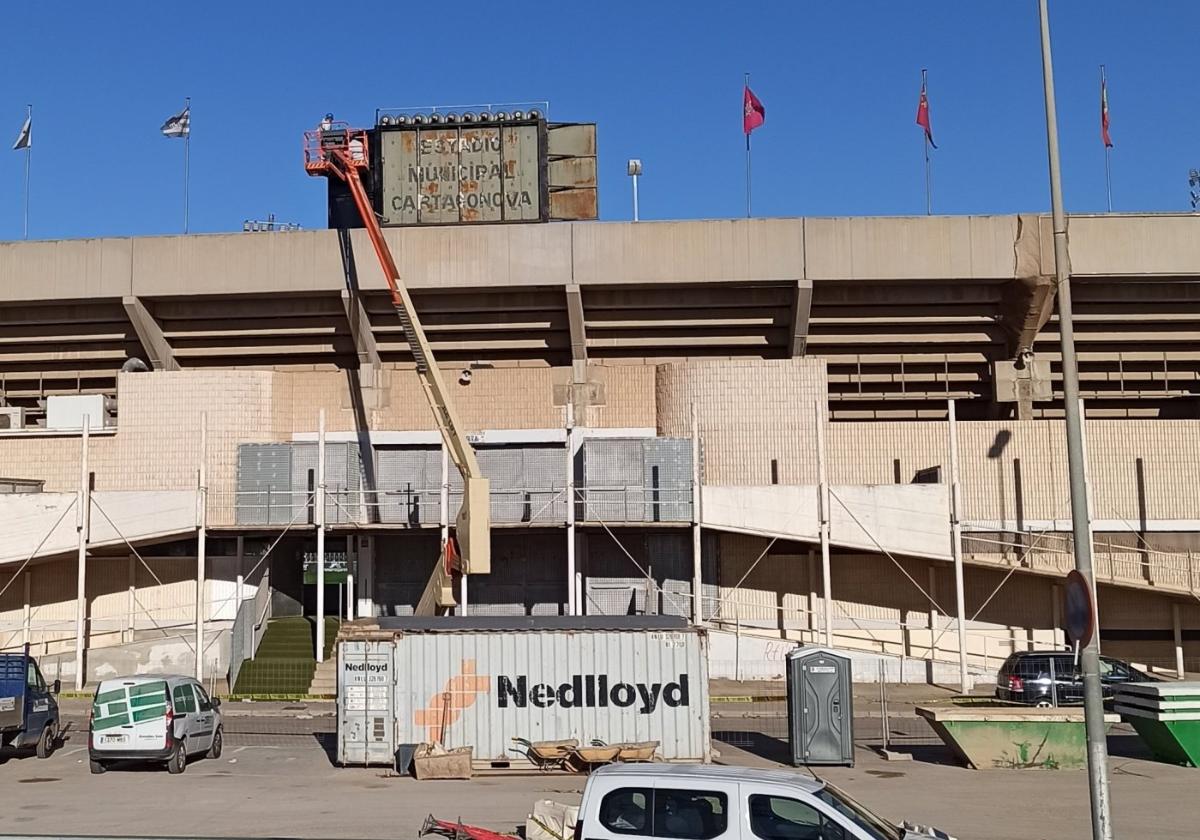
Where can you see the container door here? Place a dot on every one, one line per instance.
(12, 691)
(366, 731)
(823, 710)
(37, 701)
(130, 716)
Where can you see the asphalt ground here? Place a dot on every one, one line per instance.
(277, 779)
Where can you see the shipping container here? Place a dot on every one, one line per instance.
(480, 683)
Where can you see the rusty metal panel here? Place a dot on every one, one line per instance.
(438, 151)
(401, 177)
(521, 182)
(574, 205)
(573, 173)
(481, 187)
(571, 140)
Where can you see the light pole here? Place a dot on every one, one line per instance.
(1093, 702)
(633, 169)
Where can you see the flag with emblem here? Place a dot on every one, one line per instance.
(753, 112)
(1104, 135)
(25, 136)
(179, 125)
(923, 116)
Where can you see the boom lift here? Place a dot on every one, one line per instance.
(339, 151)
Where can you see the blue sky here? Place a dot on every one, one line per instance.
(662, 79)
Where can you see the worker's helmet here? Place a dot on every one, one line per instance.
(329, 117)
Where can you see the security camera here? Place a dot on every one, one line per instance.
(464, 378)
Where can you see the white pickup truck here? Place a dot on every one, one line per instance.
(682, 802)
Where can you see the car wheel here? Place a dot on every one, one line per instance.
(45, 744)
(215, 750)
(97, 767)
(177, 763)
(1044, 704)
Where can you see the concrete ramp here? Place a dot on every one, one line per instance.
(44, 524)
(908, 519)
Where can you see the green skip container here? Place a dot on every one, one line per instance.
(1166, 716)
(988, 737)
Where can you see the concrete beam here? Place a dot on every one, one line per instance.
(360, 328)
(578, 333)
(1028, 299)
(150, 333)
(801, 309)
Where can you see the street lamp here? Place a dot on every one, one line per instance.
(633, 169)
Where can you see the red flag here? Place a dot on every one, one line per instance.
(923, 117)
(753, 112)
(1104, 114)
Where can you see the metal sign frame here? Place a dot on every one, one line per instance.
(1079, 613)
(376, 151)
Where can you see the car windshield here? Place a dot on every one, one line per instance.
(875, 826)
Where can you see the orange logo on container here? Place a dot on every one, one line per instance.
(446, 706)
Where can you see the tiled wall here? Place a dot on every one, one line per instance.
(749, 413)
(1018, 470)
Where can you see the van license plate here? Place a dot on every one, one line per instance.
(113, 739)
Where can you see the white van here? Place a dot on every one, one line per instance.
(153, 718)
(682, 802)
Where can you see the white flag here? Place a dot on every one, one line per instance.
(25, 138)
(178, 125)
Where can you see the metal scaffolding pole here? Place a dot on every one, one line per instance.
(572, 607)
(1090, 654)
(823, 507)
(960, 599)
(320, 520)
(201, 545)
(82, 524)
(697, 541)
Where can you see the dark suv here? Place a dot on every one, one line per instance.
(1025, 678)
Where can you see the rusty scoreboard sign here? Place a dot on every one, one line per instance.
(455, 171)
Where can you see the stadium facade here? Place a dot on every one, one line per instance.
(657, 404)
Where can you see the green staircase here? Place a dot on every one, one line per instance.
(286, 661)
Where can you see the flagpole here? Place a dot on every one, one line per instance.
(928, 165)
(28, 152)
(1107, 148)
(746, 85)
(187, 154)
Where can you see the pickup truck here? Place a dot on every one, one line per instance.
(28, 710)
(684, 802)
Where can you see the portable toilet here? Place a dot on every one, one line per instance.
(820, 707)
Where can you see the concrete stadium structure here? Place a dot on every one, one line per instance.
(659, 406)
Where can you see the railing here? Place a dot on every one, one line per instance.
(1051, 553)
(415, 507)
(249, 627)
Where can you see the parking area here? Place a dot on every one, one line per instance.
(277, 779)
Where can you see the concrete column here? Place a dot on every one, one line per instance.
(933, 613)
(581, 564)
(697, 533)
(27, 612)
(1056, 615)
(364, 554)
(82, 523)
(1177, 626)
(812, 590)
(572, 607)
(201, 545)
(964, 680)
(350, 577)
(131, 601)
(319, 507)
(823, 507)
